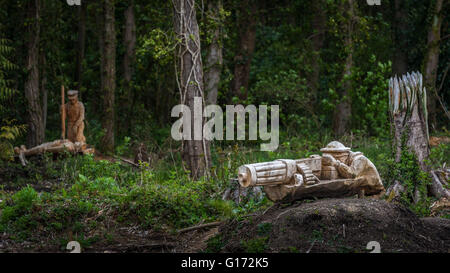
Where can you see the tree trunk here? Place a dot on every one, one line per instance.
(99, 20)
(408, 111)
(407, 106)
(432, 59)
(129, 58)
(36, 131)
(247, 37)
(317, 39)
(109, 76)
(196, 153)
(214, 58)
(44, 92)
(81, 44)
(343, 109)
(400, 62)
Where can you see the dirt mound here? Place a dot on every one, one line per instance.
(335, 225)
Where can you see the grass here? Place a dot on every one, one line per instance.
(87, 197)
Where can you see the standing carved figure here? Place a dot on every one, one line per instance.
(74, 112)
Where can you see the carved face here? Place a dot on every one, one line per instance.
(342, 157)
(73, 99)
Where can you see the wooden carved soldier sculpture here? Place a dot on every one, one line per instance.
(75, 142)
(74, 111)
(339, 172)
(353, 165)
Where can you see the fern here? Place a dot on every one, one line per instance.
(9, 131)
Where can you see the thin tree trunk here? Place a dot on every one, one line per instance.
(247, 37)
(431, 61)
(214, 58)
(109, 76)
(43, 88)
(400, 62)
(44, 92)
(195, 152)
(318, 37)
(129, 58)
(101, 44)
(343, 109)
(81, 44)
(35, 117)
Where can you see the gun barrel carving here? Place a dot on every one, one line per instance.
(278, 172)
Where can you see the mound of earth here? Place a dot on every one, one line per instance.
(335, 225)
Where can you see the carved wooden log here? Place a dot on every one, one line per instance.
(57, 146)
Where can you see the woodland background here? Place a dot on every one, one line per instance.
(326, 63)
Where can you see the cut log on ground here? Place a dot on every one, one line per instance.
(57, 146)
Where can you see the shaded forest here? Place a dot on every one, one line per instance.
(327, 64)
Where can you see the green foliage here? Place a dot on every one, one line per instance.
(17, 215)
(215, 244)
(5, 66)
(288, 89)
(264, 229)
(161, 198)
(256, 245)
(369, 99)
(415, 182)
(9, 131)
(439, 155)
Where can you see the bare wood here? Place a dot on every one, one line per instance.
(23, 161)
(437, 188)
(271, 173)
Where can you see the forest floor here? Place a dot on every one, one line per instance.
(327, 225)
(336, 225)
(110, 206)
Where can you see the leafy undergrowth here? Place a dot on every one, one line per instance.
(97, 202)
(86, 200)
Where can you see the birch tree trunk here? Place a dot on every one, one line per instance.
(196, 153)
(214, 57)
(431, 60)
(36, 130)
(109, 75)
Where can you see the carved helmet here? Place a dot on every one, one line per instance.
(335, 147)
(72, 92)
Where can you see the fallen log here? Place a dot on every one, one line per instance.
(57, 146)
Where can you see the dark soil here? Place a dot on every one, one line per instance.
(329, 225)
(335, 225)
